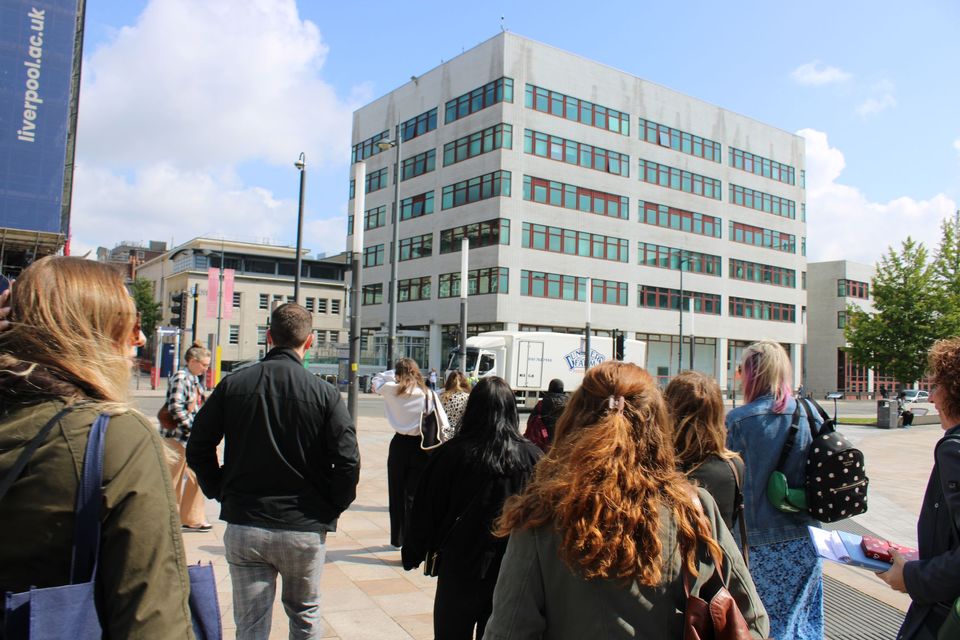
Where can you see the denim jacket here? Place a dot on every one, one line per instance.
(757, 434)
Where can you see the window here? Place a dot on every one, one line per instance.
(419, 164)
(481, 234)
(375, 218)
(475, 144)
(763, 273)
(760, 237)
(679, 179)
(416, 247)
(335, 307)
(500, 90)
(609, 292)
(413, 289)
(569, 196)
(763, 202)
(562, 106)
(264, 301)
(762, 310)
(277, 297)
(664, 136)
(321, 305)
(661, 215)
(236, 299)
(311, 304)
(803, 179)
(655, 255)
(262, 335)
(575, 243)
(841, 319)
(291, 299)
(376, 180)
(758, 165)
(475, 189)
(479, 282)
(419, 125)
(373, 294)
(853, 289)
(367, 148)
(373, 256)
(662, 298)
(576, 153)
(234, 336)
(538, 284)
(416, 206)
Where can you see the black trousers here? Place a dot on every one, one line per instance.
(405, 463)
(462, 604)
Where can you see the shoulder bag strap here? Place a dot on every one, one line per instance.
(791, 439)
(28, 452)
(740, 514)
(814, 431)
(86, 533)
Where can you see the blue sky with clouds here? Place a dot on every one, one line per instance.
(193, 111)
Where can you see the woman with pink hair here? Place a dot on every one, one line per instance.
(787, 575)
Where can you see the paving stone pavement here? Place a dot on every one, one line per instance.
(367, 595)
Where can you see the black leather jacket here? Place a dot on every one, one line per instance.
(291, 459)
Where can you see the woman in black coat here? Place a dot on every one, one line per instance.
(461, 493)
(933, 581)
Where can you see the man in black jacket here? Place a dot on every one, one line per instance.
(291, 466)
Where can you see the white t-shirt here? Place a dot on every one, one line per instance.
(403, 410)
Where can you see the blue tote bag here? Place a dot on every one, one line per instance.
(70, 611)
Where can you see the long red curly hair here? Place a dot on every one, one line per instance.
(606, 478)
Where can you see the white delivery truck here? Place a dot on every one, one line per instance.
(529, 360)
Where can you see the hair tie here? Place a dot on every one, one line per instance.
(616, 403)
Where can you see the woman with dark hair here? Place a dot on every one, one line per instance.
(699, 439)
(608, 532)
(404, 401)
(933, 581)
(543, 418)
(461, 493)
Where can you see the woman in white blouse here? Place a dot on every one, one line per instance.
(404, 398)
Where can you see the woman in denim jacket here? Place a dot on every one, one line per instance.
(787, 574)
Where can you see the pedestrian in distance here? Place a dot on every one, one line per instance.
(461, 493)
(185, 395)
(543, 419)
(433, 379)
(404, 401)
(787, 575)
(607, 533)
(65, 358)
(700, 440)
(456, 390)
(291, 468)
(933, 581)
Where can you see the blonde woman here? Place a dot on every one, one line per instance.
(185, 396)
(456, 392)
(699, 439)
(404, 399)
(788, 577)
(69, 347)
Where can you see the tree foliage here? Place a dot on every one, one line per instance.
(150, 314)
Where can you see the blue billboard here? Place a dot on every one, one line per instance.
(36, 63)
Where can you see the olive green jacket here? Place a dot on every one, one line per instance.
(539, 596)
(142, 573)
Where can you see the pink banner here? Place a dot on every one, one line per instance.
(213, 287)
(227, 294)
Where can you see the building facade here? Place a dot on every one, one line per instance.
(570, 179)
(126, 257)
(263, 278)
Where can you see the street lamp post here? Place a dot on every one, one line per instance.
(683, 262)
(301, 165)
(353, 391)
(464, 291)
(587, 347)
(397, 143)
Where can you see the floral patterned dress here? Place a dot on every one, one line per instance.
(454, 404)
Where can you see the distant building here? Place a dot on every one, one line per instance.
(564, 173)
(127, 256)
(263, 278)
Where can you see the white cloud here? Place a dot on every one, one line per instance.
(816, 74)
(175, 103)
(882, 99)
(956, 145)
(843, 223)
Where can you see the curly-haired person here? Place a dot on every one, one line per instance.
(933, 581)
(603, 536)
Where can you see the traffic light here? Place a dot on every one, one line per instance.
(178, 314)
(618, 340)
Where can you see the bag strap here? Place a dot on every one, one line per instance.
(86, 534)
(28, 452)
(466, 510)
(791, 439)
(823, 415)
(740, 511)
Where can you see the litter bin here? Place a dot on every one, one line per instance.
(887, 416)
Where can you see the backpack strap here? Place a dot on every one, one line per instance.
(86, 532)
(791, 439)
(739, 511)
(28, 452)
(814, 431)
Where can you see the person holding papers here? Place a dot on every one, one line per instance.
(933, 581)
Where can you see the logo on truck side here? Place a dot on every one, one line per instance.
(575, 359)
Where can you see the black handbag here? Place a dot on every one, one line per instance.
(431, 562)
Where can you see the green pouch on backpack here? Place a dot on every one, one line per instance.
(783, 497)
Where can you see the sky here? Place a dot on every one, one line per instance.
(193, 112)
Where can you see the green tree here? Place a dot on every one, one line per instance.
(946, 273)
(895, 337)
(150, 314)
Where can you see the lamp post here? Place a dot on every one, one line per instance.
(464, 290)
(396, 143)
(683, 262)
(353, 391)
(587, 348)
(301, 165)
(218, 355)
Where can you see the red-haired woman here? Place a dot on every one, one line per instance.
(602, 537)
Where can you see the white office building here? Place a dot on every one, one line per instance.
(567, 176)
